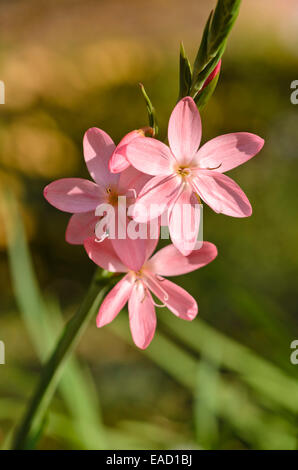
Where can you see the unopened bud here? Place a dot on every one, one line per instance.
(212, 75)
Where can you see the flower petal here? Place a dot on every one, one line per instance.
(221, 193)
(73, 195)
(185, 130)
(103, 254)
(170, 262)
(132, 252)
(98, 148)
(180, 302)
(131, 182)
(155, 197)
(184, 221)
(149, 156)
(114, 302)
(142, 318)
(80, 227)
(229, 151)
(118, 161)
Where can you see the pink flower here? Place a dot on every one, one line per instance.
(81, 197)
(136, 286)
(118, 161)
(181, 172)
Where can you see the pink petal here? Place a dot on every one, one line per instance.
(150, 156)
(131, 182)
(142, 316)
(80, 227)
(114, 301)
(180, 302)
(98, 148)
(221, 193)
(170, 262)
(131, 252)
(185, 130)
(184, 221)
(155, 197)
(103, 254)
(151, 243)
(228, 151)
(118, 161)
(73, 195)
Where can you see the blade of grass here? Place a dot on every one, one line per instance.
(262, 376)
(36, 317)
(261, 429)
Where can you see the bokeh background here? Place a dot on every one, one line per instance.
(226, 380)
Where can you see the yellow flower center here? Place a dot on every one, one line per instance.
(112, 196)
(183, 171)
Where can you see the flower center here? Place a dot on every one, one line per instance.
(112, 196)
(183, 171)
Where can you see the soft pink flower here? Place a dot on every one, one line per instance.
(81, 197)
(118, 162)
(181, 172)
(136, 286)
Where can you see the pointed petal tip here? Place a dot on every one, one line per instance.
(188, 99)
(143, 346)
(99, 322)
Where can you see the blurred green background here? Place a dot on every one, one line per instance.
(226, 380)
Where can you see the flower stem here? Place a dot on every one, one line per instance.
(31, 423)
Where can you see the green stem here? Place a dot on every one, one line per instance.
(53, 369)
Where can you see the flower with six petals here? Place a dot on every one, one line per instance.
(136, 286)
(81, 197)
(183, 172)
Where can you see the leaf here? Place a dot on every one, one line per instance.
(150, 110)
(213, 43)
(185, 74)
(204, 95)
(258, 373)
(201, 57)
(198, 89)
(225, 15)
(43, 332)
(232, 402)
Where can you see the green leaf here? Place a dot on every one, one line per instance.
(203, 96)
(150, 110)
(43, 326)
(230, 402)
(185, 74)
(214, 39)
(224, 17)
(197, 89)
(201, 57)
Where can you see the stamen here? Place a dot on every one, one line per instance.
(133, 191)
(155, 283)
(215, 168)
(158, 305)
(146, 292)
(184, 171)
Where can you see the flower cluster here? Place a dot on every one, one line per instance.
(158, 181)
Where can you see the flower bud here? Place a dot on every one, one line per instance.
(212, 75)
